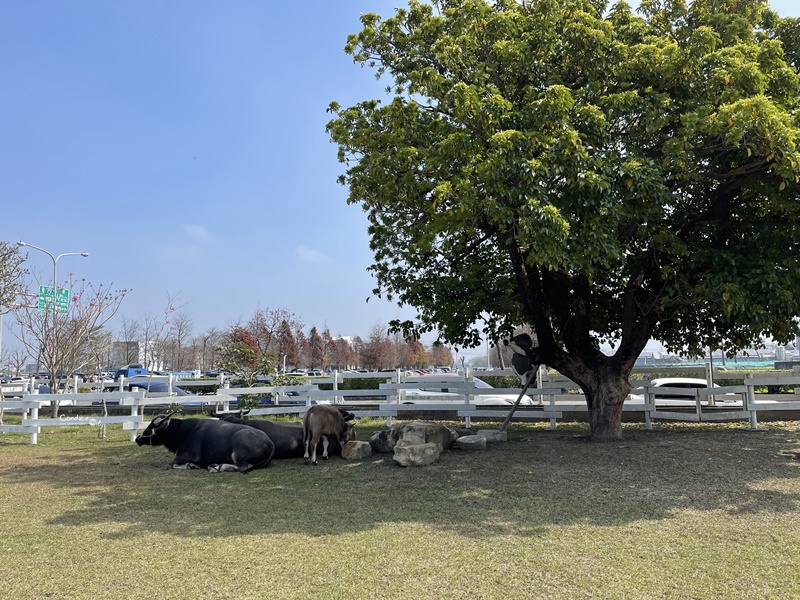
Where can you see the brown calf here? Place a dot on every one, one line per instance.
(322, 421)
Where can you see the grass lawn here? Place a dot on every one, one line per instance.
(683, 511)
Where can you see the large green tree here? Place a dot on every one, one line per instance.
(597, 174)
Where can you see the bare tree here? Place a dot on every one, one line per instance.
(12, 284)
(129, 336)
(180, 331)
(12, 275)
(154, 333)
(58, 338)
(205, 347)
(16, 359)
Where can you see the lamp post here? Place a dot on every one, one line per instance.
(55, 260)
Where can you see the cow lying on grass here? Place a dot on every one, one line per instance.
(209, 444)
(324, 422)
(287, 437)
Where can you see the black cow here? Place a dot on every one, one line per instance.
(287, 437)
(208, 443)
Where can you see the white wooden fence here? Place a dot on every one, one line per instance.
(555, 398)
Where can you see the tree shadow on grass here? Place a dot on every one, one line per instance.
(519, 488)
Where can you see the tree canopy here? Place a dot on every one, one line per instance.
(599, 175)
(12, 275)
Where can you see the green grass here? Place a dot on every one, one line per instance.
(684, 511)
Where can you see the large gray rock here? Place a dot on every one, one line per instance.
(419, 432)
(471, 442)
(410, 454)
(356, 450)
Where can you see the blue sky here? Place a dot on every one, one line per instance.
(182, 144)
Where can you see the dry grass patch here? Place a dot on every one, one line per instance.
(679, 512)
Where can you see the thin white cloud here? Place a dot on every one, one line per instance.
(198, 232)
(312, 256)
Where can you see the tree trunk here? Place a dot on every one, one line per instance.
(604, 381)
(605, 400)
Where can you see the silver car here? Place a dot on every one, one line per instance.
(438, 389)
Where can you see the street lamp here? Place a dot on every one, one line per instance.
(55, 260)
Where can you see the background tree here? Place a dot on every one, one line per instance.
(265, 326)
(12, 285)
(288, 350)
(419, 356)
(155, 331)
(179, 334)
(327, 348)
(316, 349)
(129, 332)
(12, 275)
(240, 354)
(63, 341)
(442, 355)
(599, 176)
(343, 354)
(206, 346)
(377, 351)
(16, 360)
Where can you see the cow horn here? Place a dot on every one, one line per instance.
(161, 418)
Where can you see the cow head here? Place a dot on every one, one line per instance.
(347, 415)
(348, 434)
(154, 434)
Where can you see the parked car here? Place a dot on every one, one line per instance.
(158, 387)
(433, 389)
(685, 383)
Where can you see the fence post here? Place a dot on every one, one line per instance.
(390, 397)
(710, 384)
(34, 415)
(226, 385)
(750, 401)
(796, 373)
(134, 413)
(541, 372)
(468, 401)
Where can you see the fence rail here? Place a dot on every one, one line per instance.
(555, 398)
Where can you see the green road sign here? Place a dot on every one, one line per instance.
(46, 298)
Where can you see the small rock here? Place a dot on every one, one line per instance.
(356, 450)
(493, 435)
(470, 442)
